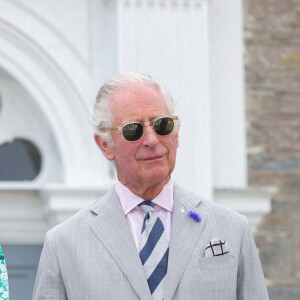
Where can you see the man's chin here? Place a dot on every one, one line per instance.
(157, 178)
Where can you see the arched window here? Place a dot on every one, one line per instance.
(19, 160)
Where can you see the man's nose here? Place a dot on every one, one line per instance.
(150, 139)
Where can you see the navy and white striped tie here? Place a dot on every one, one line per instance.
(154, 250)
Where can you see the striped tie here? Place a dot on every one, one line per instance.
(154, 250)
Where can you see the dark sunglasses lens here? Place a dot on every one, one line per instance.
(132, 131)
(163, 126)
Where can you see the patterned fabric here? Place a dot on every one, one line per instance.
(154, 250)
(3, 278)
(216, 247)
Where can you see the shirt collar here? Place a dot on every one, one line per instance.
(129, 200)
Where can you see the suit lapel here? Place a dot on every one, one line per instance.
(111, 229)
(184, 237)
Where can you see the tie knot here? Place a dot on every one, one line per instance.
(147, 206)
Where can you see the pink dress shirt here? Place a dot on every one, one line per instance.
(134, 214)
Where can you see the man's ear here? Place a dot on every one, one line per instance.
(104, 147)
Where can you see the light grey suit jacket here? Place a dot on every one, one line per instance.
(93, 256)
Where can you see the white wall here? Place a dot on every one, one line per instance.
(56, 75)
(21, 117)
(227, 94)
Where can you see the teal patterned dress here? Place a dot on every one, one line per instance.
(3, 278)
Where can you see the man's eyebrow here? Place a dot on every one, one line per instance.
(140, 120)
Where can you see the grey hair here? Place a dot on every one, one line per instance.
(101, 116)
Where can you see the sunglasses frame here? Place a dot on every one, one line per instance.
(151, 123)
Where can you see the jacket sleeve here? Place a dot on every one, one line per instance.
(251, 284)
(49, 283)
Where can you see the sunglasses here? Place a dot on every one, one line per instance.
(133, 131)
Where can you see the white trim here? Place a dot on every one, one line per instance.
(253, 202)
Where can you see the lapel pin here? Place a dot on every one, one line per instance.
(195, 216)
(182, 209)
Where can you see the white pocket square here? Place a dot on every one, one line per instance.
(216, 247)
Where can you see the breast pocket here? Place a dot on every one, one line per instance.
(217, 262)
(219, 275)
(213, 277)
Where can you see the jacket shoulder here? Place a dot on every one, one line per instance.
(82, 219)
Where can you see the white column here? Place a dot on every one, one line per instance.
(169, 40)
(227, 94)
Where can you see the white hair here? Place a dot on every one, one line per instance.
(102, 117)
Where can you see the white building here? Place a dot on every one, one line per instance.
(54, 56)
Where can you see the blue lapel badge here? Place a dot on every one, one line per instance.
(195, 216)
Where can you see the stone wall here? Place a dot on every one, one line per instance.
(272, 57)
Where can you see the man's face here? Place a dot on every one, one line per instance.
(151, 159)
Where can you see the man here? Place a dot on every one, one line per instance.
(147, 238)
